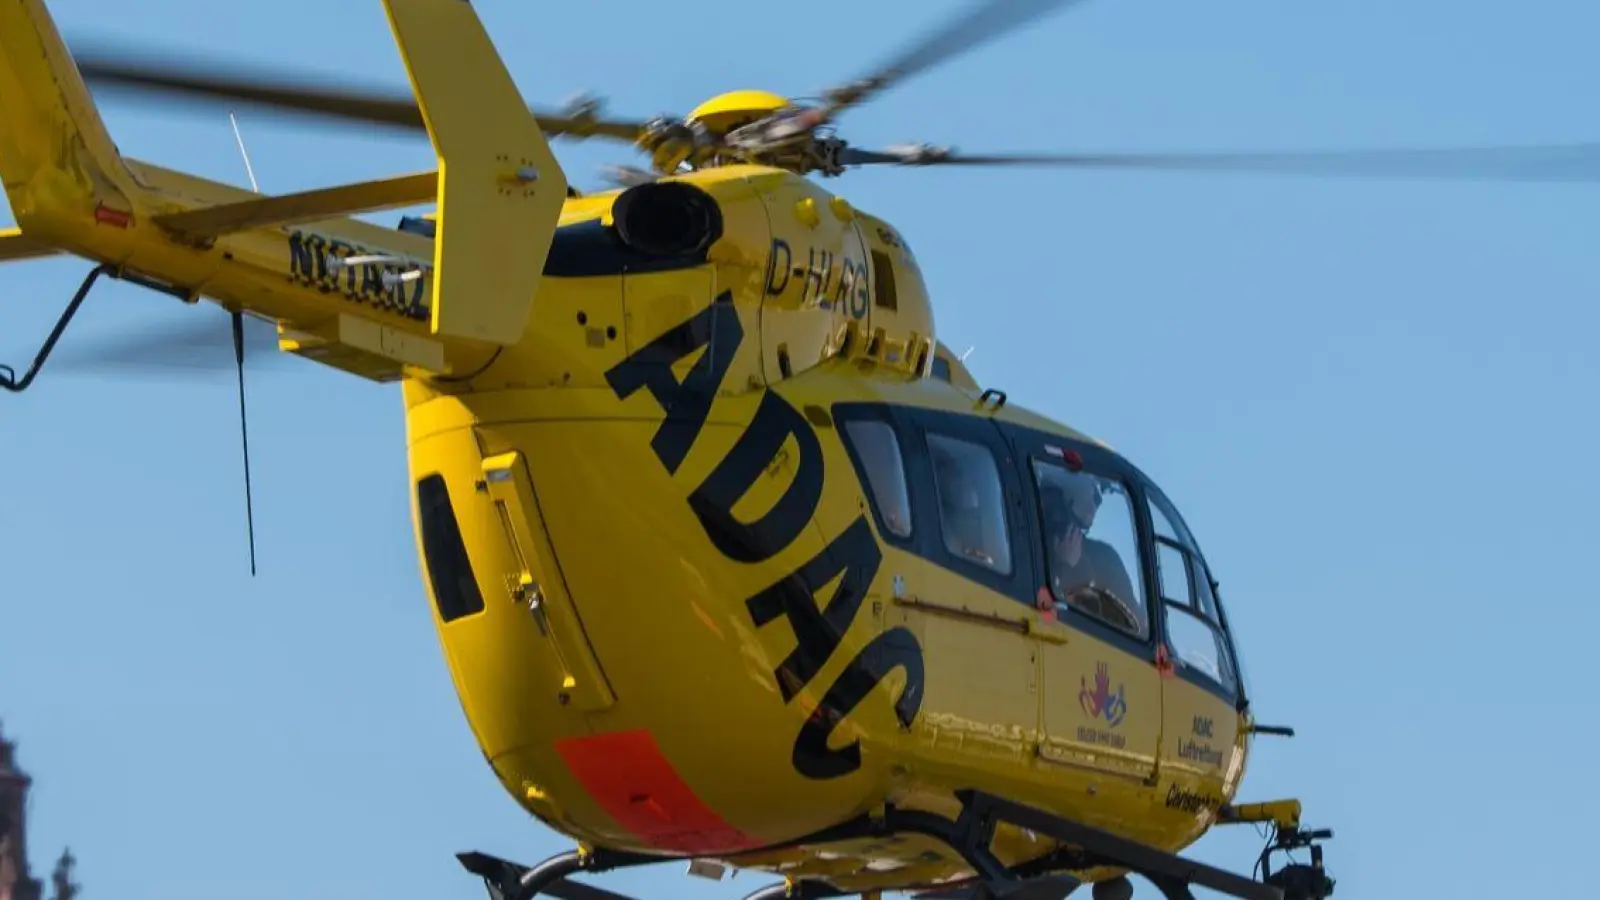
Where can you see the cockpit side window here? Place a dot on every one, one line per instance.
(877, 451)
(1092, 547)
(972, 506)
(1196, 627)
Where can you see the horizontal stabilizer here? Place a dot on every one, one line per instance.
(305, 206)
(16, 245)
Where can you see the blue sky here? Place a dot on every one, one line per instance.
(1371, 399)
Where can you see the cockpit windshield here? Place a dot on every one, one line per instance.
(1197, 628)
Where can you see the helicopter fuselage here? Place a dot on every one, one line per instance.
(723, 546)
(691, 576)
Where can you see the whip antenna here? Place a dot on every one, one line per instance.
(239, 138)
(244, 435)
(238, 359)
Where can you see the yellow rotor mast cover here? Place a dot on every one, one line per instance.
(718, 116)
(728, 111)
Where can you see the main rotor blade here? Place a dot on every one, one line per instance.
(983, 22)
(1547, 163)
(193, 346)
(392, 108)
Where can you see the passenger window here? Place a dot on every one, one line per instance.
(878, 449)
(1092, 547)
(972, 508)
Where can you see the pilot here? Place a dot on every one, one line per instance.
(1084, 572)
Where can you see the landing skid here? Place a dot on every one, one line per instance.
(970, 835)
(506, 880)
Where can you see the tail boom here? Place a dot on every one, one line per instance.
(345, 292)
(15, 245)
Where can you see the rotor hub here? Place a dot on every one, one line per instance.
(736, 109)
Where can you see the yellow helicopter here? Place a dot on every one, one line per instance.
(873, 629)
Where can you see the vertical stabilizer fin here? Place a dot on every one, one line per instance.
(501, 189)
(59, 166)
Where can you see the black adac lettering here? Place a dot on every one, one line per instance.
(853, 558)
(853, 289)
(850, 561)
(343, 250)
(305, 257)
(780, 251)
(1199, 752)
(827, 279)
(774, 423)
(895, 648)
(815, 274)
(1188, 801)
(362, 283)
(841, 293)
(418, 309)
(687, 404)
(372, 280)
(863, 290)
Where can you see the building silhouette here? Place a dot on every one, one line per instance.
(16, 879)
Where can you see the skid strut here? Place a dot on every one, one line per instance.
(506, 880)
(970, 835)
(8, 375)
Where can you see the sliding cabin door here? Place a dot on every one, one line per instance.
(961, 584)
(1100, 683)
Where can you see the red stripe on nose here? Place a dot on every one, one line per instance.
(628, 775)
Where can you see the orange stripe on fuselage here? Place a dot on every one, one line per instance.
(628, 775)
